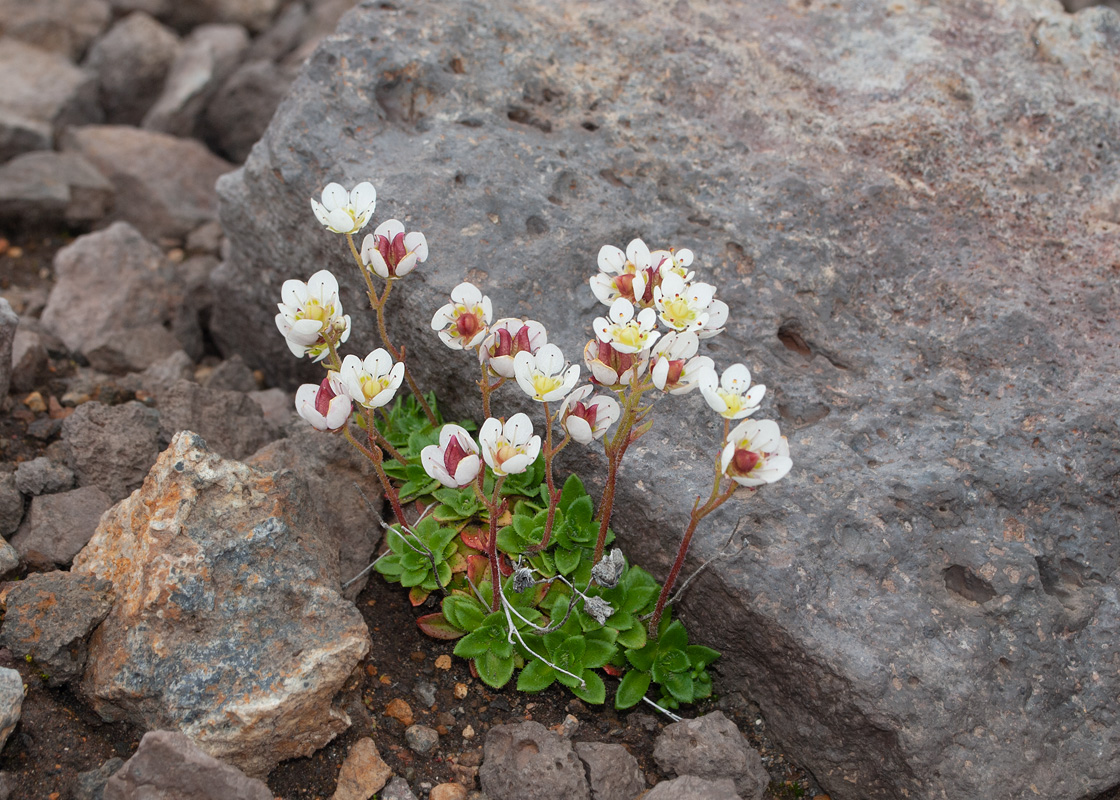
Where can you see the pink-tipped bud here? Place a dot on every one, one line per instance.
(453, 455)
(324, 396)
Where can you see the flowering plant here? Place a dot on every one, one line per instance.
(520, 565)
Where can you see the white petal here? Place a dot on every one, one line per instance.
(602, 286)
(621, 312)
(389, 229)
(362, 198)
(442, 318)
(638, 253)
(378, 363)
(660, 373)
(488, 434)
(467, 470)
(377, 264)
(339, 221)
(293, 293)
(513, 465)
(611, 259)
(579, 430)
(431, 457)
(335, 196)
(602, 329)
(416, 243)
(321, 212)
(466, 294)
(518, 429)
(736, 378)
(550, 359)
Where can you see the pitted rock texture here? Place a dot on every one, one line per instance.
(711, 747)
(227, 625)
(912, 212)
(527, 760)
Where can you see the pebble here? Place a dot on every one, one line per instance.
(35, 402)
(468, 732)
(399, 710)
(421, 739)
(363, 774)
(460, 691)
(448, 791)
(443, 662)
(425, 691)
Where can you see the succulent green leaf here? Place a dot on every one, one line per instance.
(593, 690)
(494, 670)
(631, 689)
(537, 676)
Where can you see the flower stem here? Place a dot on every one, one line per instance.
(494, 507)
(698, 513)
(376, 439)
(553, 492)
(375, 457)
(615, 450)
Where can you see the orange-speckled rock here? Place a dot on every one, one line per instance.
(228, 624)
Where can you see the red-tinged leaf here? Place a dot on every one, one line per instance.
(417, 595)
(611, 670)
(504, 565)
(457, 562)
(474, 670)
(436, 626)
(477, 567)
(474, 537)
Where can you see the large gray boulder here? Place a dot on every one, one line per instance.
(912, 213)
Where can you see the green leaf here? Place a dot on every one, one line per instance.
(414, 577)
(569, 655)
(641, 658)
(464, 612)
(597, 652)
(621, 621)
(579, 513)
(631, 689)
(438, 627)
(537, 676)
(700, 656)
(474, 644)
(634, 639)
(566, 560)
(594, 690)
(390, 567)
(675, 637)
(672, 660)
(572, 491)
(679, 685)
(494, 670)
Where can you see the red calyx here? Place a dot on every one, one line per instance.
(625, 285)
(453, 455)
(324, 396)
(504, 347)
(467, 325)
(675, 369)
(745, 461)
(522, 338)
(587, 413)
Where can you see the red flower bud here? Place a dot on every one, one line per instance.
(324, 396)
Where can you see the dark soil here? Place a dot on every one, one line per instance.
(59, 736)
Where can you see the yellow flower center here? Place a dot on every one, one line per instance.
(371, 387)
(543, 384)
(734, 403)
(314, 310)
(629, 335)
(678, 312)
(504, 453)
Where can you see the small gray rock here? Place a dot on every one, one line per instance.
(612, 772)
(528, 760)
(49, 617)
(65, 27)
(421, 739)
(241, 109)
(425, 691)
(111, 447)
(397, 789)
(49, 188)
(9, 323)
(11, 702)
(689, 787)
(9, 558)
(712, 747)
(253, 14)
(231, 423)
(43, 93)
(231, 375)
(43, 476)
(169, 766)
(91, 784)
(29, 358)
(209, 56)
(131, 62)
(206, 239)
(158, 379)
(59, 525)
(11, 505)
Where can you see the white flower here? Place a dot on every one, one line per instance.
(625, 332)
(454, 462)
(545, 376)
(611, 368)
(342, 212)
(392, 253)
(509, 448)
(673, 261)
(326, 405)
(373, 382)
(507, 338)
(676, 367)
(756, 453)
(625, 275)
(717, 318)
(683, 306)
(588, 419)
(310, 314)
(462, 322)
(732, 397)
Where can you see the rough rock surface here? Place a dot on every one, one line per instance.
(131, 62)
(62, 26)
(165, 185)
(43, 476)
(59, 525)
(46, 187)
(169, 766)
(91, 783)
(338, 477)
(253, 14)
(239, 113)
(228, 624)
(528, 760)
(11, 702)
(912, 212)
(50, 615)
(29, 356)
(208, 56)
(363, 773)
(9, 323)
(43, 92)
(116, 300)
(111, 447)
(612, 773)
(11, 505)
(230, 422)
(712, 747)
(689, 787)
(397, 789)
